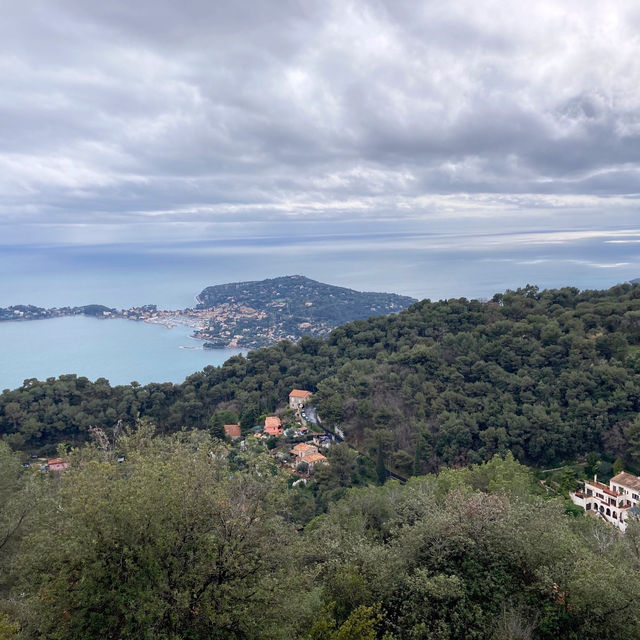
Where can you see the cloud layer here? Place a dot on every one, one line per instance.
(163, 119)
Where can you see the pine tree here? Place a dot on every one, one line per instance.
(216, 426)
(417, 460)
(381, 470)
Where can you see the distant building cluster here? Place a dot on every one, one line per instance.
(301, 458)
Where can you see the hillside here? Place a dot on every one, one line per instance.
(234, 551)
(550, 375)
(262, 312)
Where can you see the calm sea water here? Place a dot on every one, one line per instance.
(421, 263)
(119, 350)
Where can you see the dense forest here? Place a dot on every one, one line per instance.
(549, 375)
(183, 542)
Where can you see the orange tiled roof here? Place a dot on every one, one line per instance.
(315, 457)
(233, 430)
(300, 393)
(302, 447)
(273, 426)
(603, 488)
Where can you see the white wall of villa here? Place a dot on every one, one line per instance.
(615, 503)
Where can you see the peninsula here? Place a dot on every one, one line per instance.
(254, 314)
(246, 314)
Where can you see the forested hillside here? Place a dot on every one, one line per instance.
(259, 313)
(180, 542)
(549, 375)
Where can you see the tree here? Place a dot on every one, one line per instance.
(228, 417)
(593, 464)
(21, 492)
(618, 466)
(249, 417)
(8, 629)
(172, 534)
(417, 457)
(361, 624)
(13, 411)
(632, 435)
(568, 479)
(381, 470)
(216, 427)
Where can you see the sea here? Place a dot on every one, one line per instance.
(423, 264)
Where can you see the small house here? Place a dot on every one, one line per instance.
(273, 426)
(302, 450)
(57, 464)
(321, 440)
(298, 398)
(232, 431)
(314, 459)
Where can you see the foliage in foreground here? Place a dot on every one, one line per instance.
(176, 544)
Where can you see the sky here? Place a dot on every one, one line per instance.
(163, 121)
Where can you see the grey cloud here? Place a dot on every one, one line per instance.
(112, 111)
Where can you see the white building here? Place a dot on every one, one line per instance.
(615, 503)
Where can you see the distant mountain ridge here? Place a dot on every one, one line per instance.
(261, 312)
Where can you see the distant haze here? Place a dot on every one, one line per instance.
(424, 265)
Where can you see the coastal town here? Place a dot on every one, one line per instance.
(201, 320)
(244, 314)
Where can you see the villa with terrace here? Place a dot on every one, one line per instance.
(615, 503)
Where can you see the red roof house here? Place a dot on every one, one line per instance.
(57, 464)
(298, 397)
(273, 426)
(232, 430)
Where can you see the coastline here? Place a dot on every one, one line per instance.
(118, 351)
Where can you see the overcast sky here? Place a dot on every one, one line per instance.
(157, 119)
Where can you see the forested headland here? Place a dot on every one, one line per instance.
(549, 375)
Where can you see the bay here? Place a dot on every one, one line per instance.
(424, 261)
(120, 350)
